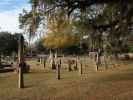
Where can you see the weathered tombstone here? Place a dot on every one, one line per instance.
(52, 61)
(58, 69)
(21, 59)
(44, 63)
(81, 69)
(69, 65)
(98, 60)
(76, 64)
(105, 58)
(40, 60)
(53, 64)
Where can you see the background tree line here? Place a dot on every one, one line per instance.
(107, 23)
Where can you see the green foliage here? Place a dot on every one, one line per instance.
(8, 42)
(39, 47)
(73, 49)
(130, 48)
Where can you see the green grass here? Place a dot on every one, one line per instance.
(42, 84)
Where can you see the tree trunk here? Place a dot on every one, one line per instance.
(56, 53)
(52, 60)
(56, 57)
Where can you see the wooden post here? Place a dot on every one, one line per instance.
(20, 58)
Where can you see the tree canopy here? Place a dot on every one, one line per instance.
(107, 22)
(8, 42)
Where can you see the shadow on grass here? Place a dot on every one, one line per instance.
(40, 72)
(6, 70)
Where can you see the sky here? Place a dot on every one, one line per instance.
(9, 13)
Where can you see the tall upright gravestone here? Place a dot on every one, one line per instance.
(20, 59)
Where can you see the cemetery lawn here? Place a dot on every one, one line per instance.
(40, 84)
